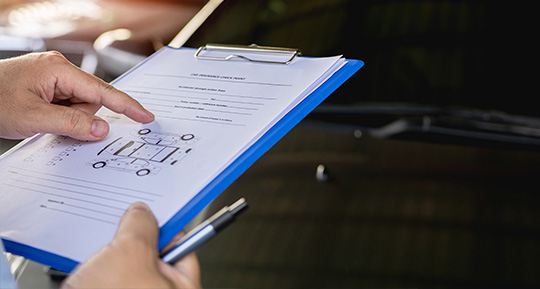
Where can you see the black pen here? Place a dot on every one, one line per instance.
(204, 232)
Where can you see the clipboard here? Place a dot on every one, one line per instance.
(234, 170)
(267, 141)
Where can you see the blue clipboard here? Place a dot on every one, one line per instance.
(223, 180)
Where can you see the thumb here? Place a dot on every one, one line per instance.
(138, 224)
(75, 123)
(130, 261)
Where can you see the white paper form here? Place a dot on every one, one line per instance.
(66, 196)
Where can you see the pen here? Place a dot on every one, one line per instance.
(204, 232)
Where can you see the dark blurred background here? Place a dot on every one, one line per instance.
(420, 171)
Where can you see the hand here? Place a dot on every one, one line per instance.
(132, 259)
(44, 92)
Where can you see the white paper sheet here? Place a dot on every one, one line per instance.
(66, 196)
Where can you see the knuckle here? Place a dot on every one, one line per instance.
(73, 119)
(52, 57)
(55, 55)
(111, 97)
(107, 89)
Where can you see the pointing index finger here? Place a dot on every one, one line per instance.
(120, 102)
(74, 82)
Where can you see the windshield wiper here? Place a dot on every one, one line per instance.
(445, 125)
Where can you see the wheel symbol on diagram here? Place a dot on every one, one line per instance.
(99, 165)
(144, 131)
(189, 136)
(142, 172)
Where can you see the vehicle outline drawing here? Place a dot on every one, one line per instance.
(145, 152)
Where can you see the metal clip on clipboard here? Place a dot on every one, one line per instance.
(289, 53)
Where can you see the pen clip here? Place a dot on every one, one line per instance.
(238, 206)
(232, 211)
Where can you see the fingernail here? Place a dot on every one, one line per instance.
(99, 128)
(150, 115)
(139, 207)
